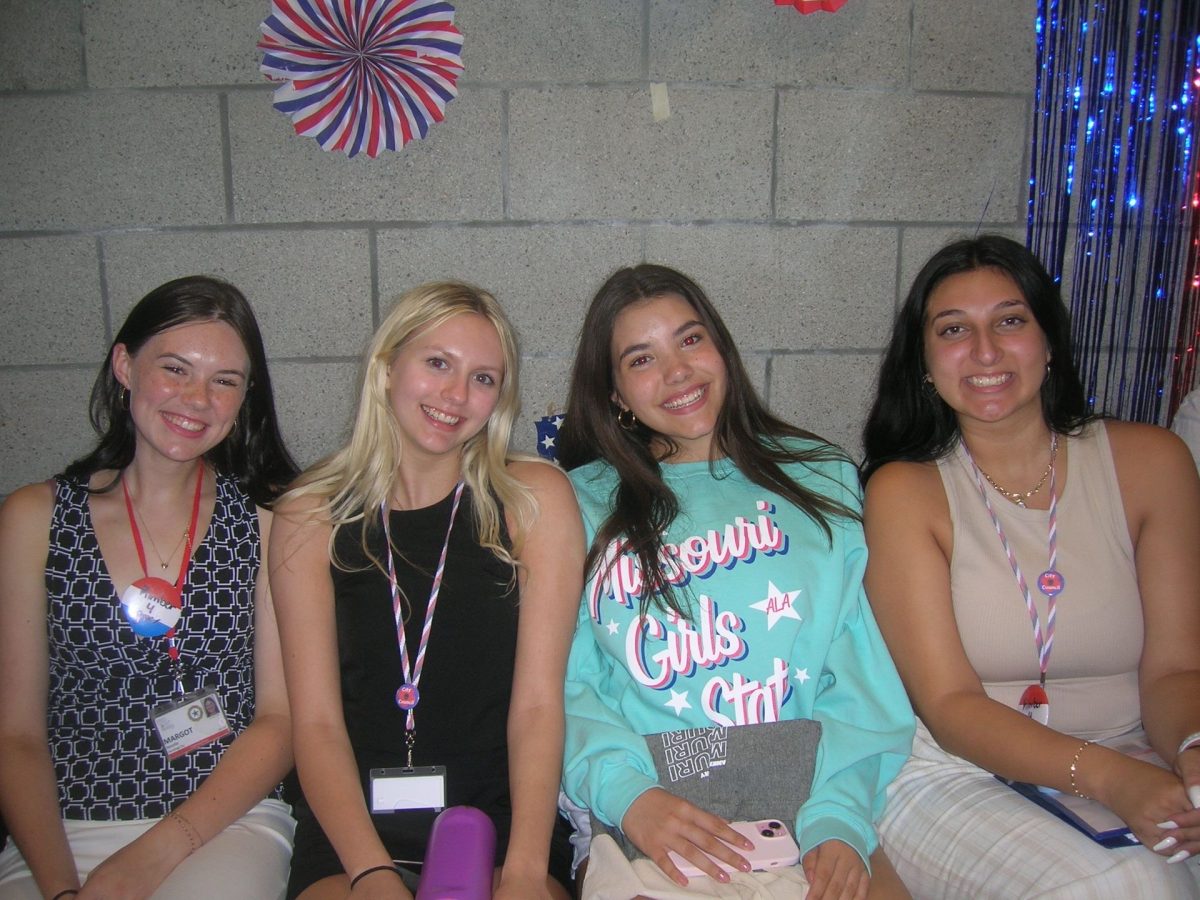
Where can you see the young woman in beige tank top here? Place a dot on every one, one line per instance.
(992, 500)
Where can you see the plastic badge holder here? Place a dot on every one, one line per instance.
(460, 858)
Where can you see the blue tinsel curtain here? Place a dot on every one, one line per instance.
(1113, 165)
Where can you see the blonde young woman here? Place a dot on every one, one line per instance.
(423, 518)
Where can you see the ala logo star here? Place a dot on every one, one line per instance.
(778, 605)
(678, 701)
(613, 626)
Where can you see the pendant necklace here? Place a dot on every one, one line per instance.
(1018, 497)
(153, 544)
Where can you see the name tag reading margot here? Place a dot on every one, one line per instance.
(190, 723)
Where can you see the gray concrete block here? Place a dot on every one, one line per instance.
(863, 45)
(852, 155)
(580, 153)
(974, 45)
(40, 45)
(315, 403)
(81, 161)
(149, 43)
(43, 422)
(544, 277)
(550, 40)
(918, 244)
(311, 290)
(826, 394)
(453, 173)
(43, 319)
(789, 288)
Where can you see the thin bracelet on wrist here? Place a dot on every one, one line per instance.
(193, 836)
(69, 892)
(1192, 740)
(1075, 769)
(371, 871)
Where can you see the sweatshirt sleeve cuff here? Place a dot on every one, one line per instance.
(621, 794)
(831, 829)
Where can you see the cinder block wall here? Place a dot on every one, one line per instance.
(809, 165)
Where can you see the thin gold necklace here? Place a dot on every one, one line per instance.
(153, 546)
(1021, 497)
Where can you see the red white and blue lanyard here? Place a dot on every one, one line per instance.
(172, 647)
(407, 695)
(1050, 582)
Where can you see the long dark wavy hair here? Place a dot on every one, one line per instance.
(253, 452)
(750, 436)
(908, 420)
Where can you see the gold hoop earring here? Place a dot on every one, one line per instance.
(627, 420)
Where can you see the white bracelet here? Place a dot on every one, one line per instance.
(1190, 741)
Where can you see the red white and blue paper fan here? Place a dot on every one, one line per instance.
(812, 6)
(362, 75)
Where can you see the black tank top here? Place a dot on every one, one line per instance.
(462, 717)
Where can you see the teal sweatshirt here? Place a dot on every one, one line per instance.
(779, 629)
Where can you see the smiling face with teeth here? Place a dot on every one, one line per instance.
(443, 385)
(186, 385)
(984, 349)
(668, 371)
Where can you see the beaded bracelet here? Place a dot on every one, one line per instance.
(1188, 742)
(189, 829)
(365, 872)
(1075, 768)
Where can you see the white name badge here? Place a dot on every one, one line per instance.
(195, 721)
(421, 787)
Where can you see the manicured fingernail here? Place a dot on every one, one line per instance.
(1194, 795)
(1179, 857)
(1165, 844)
(1167, 825)
(723, 876)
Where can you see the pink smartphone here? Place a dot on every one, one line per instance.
(773, 848)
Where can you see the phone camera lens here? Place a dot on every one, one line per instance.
(767, 832)
(774, 826)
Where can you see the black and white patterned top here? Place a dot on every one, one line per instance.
(105, 681)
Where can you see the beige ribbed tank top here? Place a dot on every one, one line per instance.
(1092, 677)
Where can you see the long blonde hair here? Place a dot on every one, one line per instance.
(357, 479)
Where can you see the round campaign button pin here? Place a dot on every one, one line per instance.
(1035, 704)
(152, 606)
(1050, 583)
(407, 696)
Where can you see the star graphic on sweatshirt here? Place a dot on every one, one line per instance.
(778, 605)
(613, 626)
(802, 675)
(678, 701)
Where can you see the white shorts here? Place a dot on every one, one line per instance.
(249, 860)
